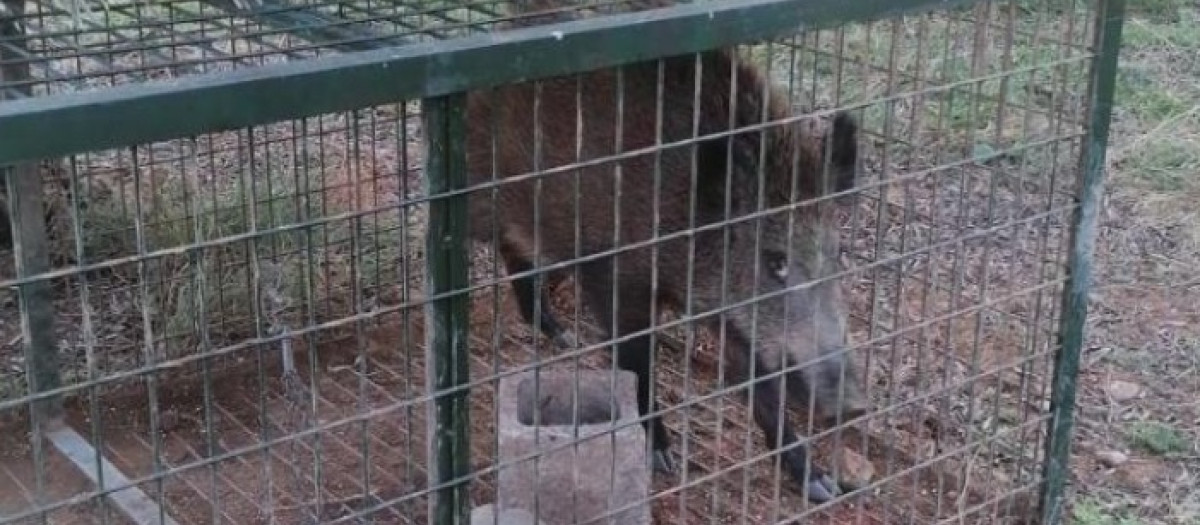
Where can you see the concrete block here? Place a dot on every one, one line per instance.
(488, 515)
(590, 476)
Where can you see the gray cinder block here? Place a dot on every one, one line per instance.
(488, 515)
(587, 481)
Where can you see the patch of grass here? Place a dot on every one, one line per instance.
(1140, 33)
(1167, 163)
(1144, 95)
(1090, 512)
(1159, 10)
(1158, 438)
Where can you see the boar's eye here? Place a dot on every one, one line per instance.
(776, 263)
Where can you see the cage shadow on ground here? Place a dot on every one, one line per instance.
(954, 254)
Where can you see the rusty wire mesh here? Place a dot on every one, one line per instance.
(247, 339)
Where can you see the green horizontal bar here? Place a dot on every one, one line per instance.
(130, 114)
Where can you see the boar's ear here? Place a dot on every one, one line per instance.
(841, 146)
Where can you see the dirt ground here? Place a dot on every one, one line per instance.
(1136, 458)
(731, 478)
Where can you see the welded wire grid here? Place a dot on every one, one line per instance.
(92, 45)
(955, 253)
(267, 361)
(76, 45)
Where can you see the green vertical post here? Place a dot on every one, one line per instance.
(1109, 21)
(28, 229)
(447, 317)
(36, 301)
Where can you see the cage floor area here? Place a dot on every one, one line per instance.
(240, 461)
(59, 480)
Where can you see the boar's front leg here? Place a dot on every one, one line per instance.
(772, 418)
(526, 289)
(632, 315)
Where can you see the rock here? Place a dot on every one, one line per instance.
(1111, 458)
(1121, 391)
(1139, 475)
(168, 420)
(854, 470)
(1000, 478)
(486, 515)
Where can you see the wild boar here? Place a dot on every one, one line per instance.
(659, 149)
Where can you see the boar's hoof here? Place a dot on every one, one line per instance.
(822, 488)
(662, 462)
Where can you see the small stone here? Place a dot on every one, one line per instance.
(168, 420)
(1010, 416)
(1111, 458)
(486, 515)
(1121, 391)
(854, 470)
(1000, 478)
(1138, 474)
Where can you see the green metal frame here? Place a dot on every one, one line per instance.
(440, 73)
(28, 220)
(447, 318)
(1110, 19)
(69, 123)
(35, 297)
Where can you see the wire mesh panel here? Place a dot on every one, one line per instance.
(221, 268)
(84, 46)
(953, 245)
(830, 264)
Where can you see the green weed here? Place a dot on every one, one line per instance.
(1158, 438)
(1090, 512)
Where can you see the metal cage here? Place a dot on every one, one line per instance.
(244, 287)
